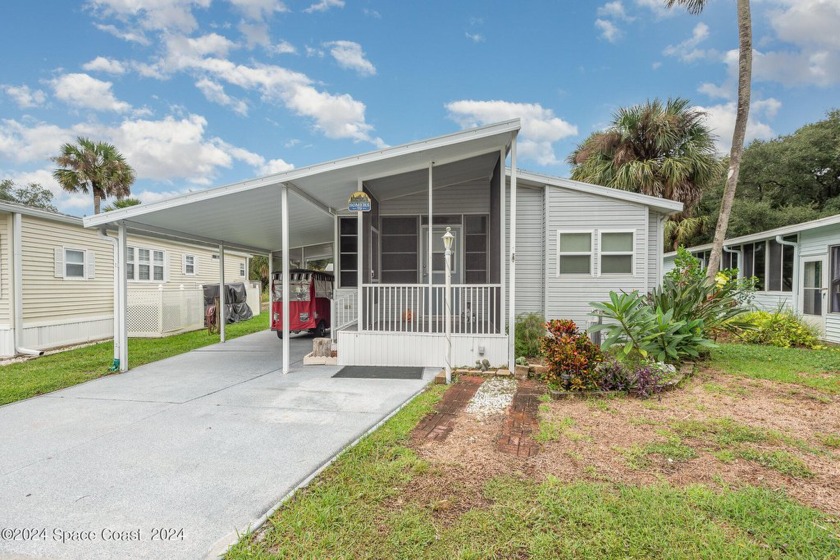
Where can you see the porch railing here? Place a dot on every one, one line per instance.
(345, 311)
(417, 308)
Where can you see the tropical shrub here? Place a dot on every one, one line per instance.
(643, 333)
(781, 328)
(571, 357)
(530, 330)
(613, 375)
(686, 292)
(647, 381)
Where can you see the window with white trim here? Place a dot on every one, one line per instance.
(189, 265)
(574, 252)
(145, 265)
(74, 264)
(616, 252)
(242, 270)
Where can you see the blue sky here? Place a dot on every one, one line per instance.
(200, 93)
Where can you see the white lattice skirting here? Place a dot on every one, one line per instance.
(162, 312)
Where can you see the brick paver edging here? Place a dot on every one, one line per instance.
(521, 422)
(440, 423)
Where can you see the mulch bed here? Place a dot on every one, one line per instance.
(439, 424)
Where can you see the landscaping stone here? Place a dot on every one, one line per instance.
(503, 372)
(538, 369)
(493, 397)
(521, 372)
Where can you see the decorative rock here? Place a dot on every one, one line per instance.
(503, 372)
(440, 378)
(521, 372)
(539, 369)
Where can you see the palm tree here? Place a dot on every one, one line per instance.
(122, 203)
(95, 167)
(659, 149)
(741, 116)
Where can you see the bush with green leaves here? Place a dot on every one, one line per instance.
(781, 328)
(687, 292)
(530, 330)
(571, 357)
(643, 332)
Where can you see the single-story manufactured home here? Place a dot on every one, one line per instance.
(523, 242)
(57, 282)
(796, 266)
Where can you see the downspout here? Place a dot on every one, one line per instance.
(17, 266)
(740, 259)
(115, 365)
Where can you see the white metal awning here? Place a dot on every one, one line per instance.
(246, 215)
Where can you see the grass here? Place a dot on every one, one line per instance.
(830, 440)
(49, 373)
(816, 369)
(778, 460)
(367, 505)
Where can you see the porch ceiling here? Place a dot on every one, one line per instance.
(246, 215)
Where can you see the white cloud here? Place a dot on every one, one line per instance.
(540, 126)
(259, 9)
(609, 30)
(24, 97)
(614, 10)
(350, 56)
(161, 15)
(721, 120)
(183, 52)
(324, 5)
(808, 22)
(687, 50)
(474, 37)
(371, 13)
(255, 34)
(275, 166)
(124, 34)
(312, 51)
(103, 64)
(214, 92)
(82, 90)
(284, 47)
(22, 143)
(657, 7)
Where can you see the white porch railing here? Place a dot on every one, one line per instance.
(164, 311)
(345, 311)
(420, 308)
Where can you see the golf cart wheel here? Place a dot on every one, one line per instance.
(321, 330)
(279, 334)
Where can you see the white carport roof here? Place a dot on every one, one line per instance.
(246, 215)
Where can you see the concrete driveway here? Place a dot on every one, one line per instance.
(190, 449)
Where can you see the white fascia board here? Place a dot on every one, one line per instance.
(12, 208)
(661, 204)
(504, 127)
(771, 233)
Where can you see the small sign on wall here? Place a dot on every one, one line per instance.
(359, 202)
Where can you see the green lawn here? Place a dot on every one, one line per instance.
(49, 373)
(359, 507)
(817, 369)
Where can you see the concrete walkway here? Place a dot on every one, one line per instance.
(200, 446)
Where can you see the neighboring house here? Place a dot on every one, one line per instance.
(64, 293)
(797, 267)
(574, 242)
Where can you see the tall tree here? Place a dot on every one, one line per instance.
(95, 167)
(741, 116)
(33, 195)
(658, 149)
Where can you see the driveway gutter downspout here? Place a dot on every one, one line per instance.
(17, 267)
(115, 365)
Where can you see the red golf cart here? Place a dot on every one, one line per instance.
(309, 301)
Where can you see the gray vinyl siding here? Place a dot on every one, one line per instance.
(569, 295)
(5, 269)
(530, 248)
(813, 243)
(468, 198)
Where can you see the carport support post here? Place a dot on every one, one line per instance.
(221, 310)
(360, 259)
(333, 306)
(512, 282)
(270, 289)
(284, 223)
(122, 280)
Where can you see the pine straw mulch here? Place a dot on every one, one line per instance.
(597, 438)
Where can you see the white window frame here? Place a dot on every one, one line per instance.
(87, 263)
(133, 256)
(242, 269)
(631, 253)
(559, 254)
(194, 264)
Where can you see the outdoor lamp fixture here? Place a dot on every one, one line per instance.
(448, 238)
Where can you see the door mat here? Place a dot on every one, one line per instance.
(380, 372)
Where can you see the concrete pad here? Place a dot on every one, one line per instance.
(210, 466)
